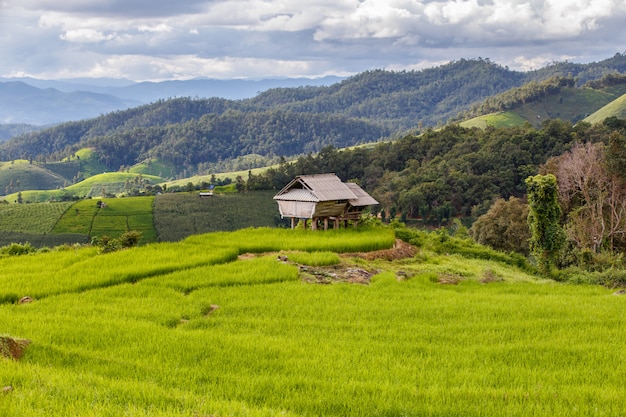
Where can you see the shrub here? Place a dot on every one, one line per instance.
(612, 278)
(16, 249)
(130, 238)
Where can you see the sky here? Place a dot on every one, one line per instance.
(155, 40)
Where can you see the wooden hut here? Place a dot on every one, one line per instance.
(322, 198)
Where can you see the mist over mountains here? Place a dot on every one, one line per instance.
(46, 102)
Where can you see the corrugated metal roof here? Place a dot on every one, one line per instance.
(297, 194)
(363, 199)
(327, 187)
(324, 187)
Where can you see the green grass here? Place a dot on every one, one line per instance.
(616, 108)
(19, 175)
(111, 183)
(248, 338)
(172, 217)
(156, 168)
(89, 163)
(502, 119)
(570, 104)
(118, 217)
(31, 218)
(198, 179)
(179, 215)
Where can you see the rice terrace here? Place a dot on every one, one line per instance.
(278, 322)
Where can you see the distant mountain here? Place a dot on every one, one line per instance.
(45, 102)
(7, 131)
(238, 89)
(23, 103)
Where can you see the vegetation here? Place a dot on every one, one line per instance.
(109, 217)
(178, 215)
(31, 218)
(544, 218)
(504, 227)
(188, 329)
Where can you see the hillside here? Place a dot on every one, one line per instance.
(43, 102)
(616, 108)
(294, 323)
(21, 175)
(558, 100)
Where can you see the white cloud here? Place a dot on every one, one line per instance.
(160, 27)
(147, 39)
(85, 36)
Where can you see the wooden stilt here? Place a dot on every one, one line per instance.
(325, 223)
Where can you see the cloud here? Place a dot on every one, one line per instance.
(85, 35)
(158, 39)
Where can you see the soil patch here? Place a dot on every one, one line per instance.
(11, 348)
(335, 273)
(400, 250)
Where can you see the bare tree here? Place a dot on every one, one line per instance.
(594, 200)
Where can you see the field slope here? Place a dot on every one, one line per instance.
(190, 329)
(616, 108)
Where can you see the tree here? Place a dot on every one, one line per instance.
(504, 227)
(593, 193)
(544, 215)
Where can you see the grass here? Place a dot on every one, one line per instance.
(615, 108)
(501, 119)
(119, 216)
(20, 175)
(167, 217)
(179, 215)
(248, 338)
(110, 183)
(31, 218)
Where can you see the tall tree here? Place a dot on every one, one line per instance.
(544, 216)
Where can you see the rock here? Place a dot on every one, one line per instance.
(25, 300)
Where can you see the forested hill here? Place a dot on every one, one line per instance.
(400, 100)
(195, 133)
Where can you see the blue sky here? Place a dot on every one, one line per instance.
(163, 39)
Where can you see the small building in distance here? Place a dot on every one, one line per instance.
(322, 198)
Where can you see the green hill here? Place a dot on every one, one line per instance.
(108, 184)
(562, 102)
(616, 108)
(20, 175)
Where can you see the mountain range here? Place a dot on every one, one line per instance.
(46, 102)
(177, 138)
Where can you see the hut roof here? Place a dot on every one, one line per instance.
(324, 187)
(363, 199)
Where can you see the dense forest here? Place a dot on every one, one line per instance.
(197, 134)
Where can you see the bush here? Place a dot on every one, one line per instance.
(612, 278)
(16, 249)
(130, 238)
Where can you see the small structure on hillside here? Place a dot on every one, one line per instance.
(322, 198)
